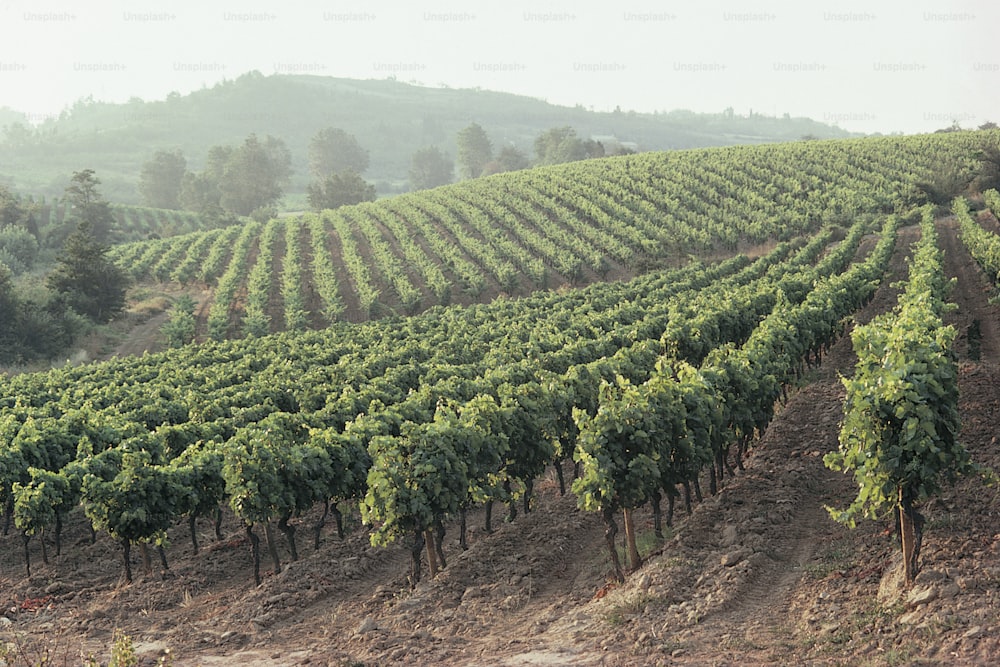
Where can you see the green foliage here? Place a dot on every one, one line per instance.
(122, 651)
(238, 180)
(988, 157)
(334, 151)
(430, 168)
(179, 329)
(14, 212)
(474, 151)
(254, 175)
(416, 477)
(161, 178)
(87, 281)
(560, 144)
(140, 501)
(41, 500)
(18, 249)
(901, 422)
(984, 246)
(89, 209)
(339, 189)
(510, 158)
(618, 448)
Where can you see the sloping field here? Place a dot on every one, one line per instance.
(403, 429)
(553, 227)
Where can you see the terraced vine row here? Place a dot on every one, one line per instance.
(984, 246)
(413, 419)
(646, 383)
(900, 431)
(571, 224)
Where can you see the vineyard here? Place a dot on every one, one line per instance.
(511, 234)
(667, 383)
(132, 223)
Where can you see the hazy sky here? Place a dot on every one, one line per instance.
(866, 66)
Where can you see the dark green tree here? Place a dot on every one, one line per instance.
(161, 178)
(474, 151)
(333, 151)
(988, 156)
(86, 279)
(254, 175)
(89, 206)
(430, 168)
(13, 211)
(340, 189)
(8, 312)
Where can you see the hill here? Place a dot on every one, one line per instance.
(718, 383)
(391, 119)
(543, 228)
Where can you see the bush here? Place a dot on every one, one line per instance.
(180, 327)
(18, 249)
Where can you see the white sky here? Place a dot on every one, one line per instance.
(866, 66)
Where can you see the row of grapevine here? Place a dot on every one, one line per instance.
(899, 435)
(992, 200)
(357, 268)
(256, 321)
(288, 421)
(291, 278)
(984, 246)
(551, 226)
(324, 276)
(138, 222)
(646, 438)
(229, 282)
(385, 260)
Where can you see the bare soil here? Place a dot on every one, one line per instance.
(758, 574)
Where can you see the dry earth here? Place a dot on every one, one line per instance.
(758, 574)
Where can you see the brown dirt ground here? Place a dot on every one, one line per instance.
(757, 574)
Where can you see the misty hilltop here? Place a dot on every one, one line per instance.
(391, 120)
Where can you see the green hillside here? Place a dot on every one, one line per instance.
(391, 120)
(543, 228)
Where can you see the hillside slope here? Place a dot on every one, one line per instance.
(391, 119)
(803, 589)
(543, 228)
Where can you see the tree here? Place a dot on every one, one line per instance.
(86, 279)
(560, 144)
(161, 178)
(200, 193)
(341, 189)
(430, 168)
(89, 206)
(333, 150)
(474, 151)
(8, 312)
(13, 212)
(18, 249)
(254, 175)
(510, 158)
(988, 156)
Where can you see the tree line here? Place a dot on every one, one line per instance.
(82, 288)
(249, 180)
